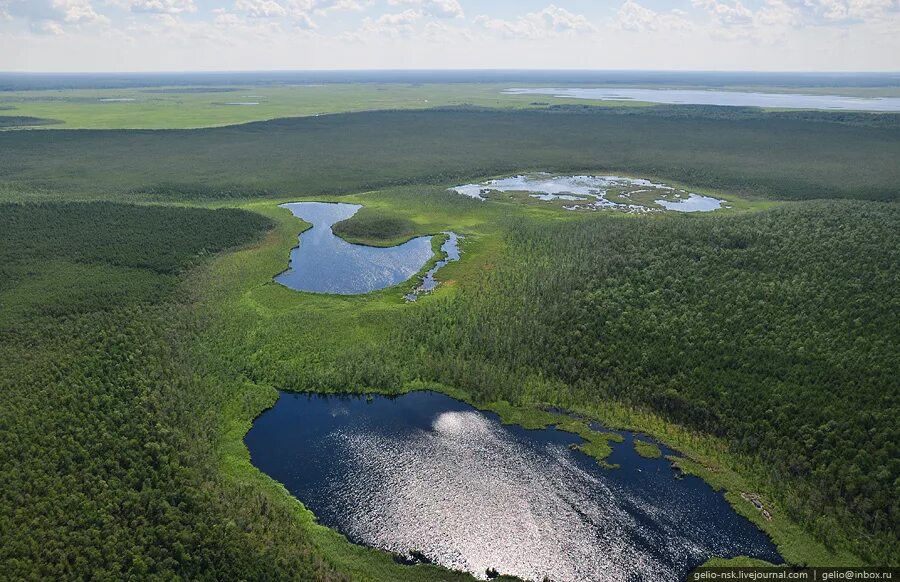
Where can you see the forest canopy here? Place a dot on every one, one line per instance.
(776, 330)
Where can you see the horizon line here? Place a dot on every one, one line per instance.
(454, 70)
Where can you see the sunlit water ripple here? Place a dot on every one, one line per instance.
(427, 473)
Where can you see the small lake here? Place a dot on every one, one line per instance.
(596, 193)
(424, 472)
(713, 97)
(326, 263)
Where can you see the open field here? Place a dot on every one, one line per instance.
(758, 341)
(168, 107)
(191, 107)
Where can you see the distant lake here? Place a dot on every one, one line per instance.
(429, 474)
(712, 97)
(326, 263)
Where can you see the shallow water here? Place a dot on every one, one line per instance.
(326, 263)
(711, 97)
(428, 473)
(693, 203)
(429, 283)
(591, 192)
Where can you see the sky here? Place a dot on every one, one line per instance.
(233, 35)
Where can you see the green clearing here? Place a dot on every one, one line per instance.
(194, 107)
(375, 227)
(766, 352)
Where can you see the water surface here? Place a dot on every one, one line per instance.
(714, 97)
(693, 203)
(326, 263)
(428, 473)
(595, 192)
(429, 283)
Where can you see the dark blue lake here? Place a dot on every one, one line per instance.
(428, 473)
(326, 263)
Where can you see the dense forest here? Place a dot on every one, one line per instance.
(776, 330)
(105, 472)
(785, 156)
(24, 121)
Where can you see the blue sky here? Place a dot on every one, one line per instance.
(154, 35)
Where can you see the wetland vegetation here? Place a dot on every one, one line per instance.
(579, 193)
(760, 340)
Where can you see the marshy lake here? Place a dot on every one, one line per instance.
(325, 263)
(620, 193)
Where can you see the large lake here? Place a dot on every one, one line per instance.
(326, 263)
(424, 472)
(713, 97)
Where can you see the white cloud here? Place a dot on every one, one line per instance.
(323, 6)
(438, 8)
(391, 24)
(777, 18)
(163, 6)
(637, 18)
(300, 12)
(775, 15)
(261, 8)
(47, 27)
(153, 34)
(51, 16)
(226, 19)
(727, 14)
(845, 11)
(79, 11)
(549, 22)
(734, 21)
